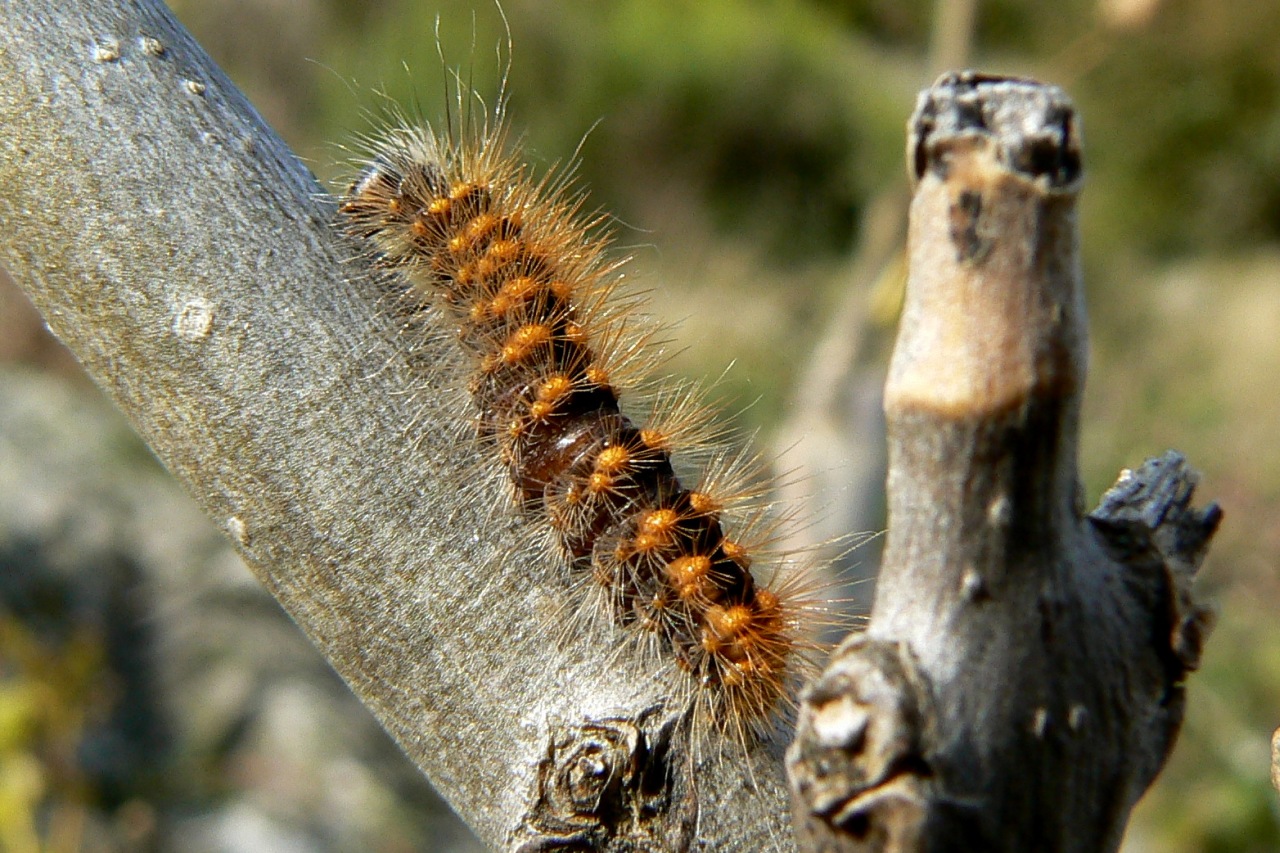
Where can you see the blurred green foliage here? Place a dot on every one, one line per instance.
(79, 740)
(745, 139)
(45, 693)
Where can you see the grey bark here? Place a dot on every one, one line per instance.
(189, 260)
(1019, 685)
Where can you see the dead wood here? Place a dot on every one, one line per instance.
(1020, 683)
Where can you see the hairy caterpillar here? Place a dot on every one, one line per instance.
(511, 261)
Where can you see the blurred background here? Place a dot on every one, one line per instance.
(152, 697)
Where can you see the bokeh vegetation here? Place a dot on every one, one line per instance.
(741, 145)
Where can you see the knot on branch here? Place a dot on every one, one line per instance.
(610, 785)
(1147, 523)
(857, 765)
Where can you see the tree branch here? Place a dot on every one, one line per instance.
(1019, 685)
(181, 251)
(1275, 760)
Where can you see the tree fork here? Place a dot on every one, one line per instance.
(1020, 683)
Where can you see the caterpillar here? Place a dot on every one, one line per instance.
(550, 342)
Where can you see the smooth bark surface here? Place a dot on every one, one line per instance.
(1019, 685)
(187, 258)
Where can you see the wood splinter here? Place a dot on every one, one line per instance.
(1020, 683)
